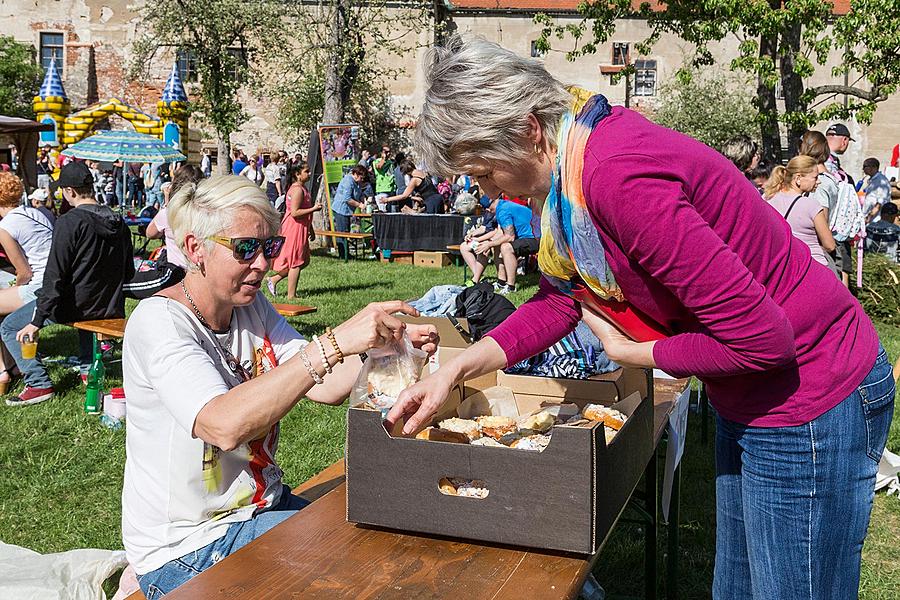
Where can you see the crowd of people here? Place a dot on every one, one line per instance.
(815, 195)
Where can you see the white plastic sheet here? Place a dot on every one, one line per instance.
(888, 470)
(73, 575)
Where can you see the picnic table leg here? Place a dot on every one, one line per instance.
(650, 480)
(673, 536)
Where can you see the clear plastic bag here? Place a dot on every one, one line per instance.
(388, 371)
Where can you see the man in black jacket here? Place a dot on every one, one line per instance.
(90, 257)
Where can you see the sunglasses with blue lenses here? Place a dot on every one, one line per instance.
(246, 248)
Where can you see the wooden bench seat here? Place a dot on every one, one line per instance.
(294, 310)
(350, 235)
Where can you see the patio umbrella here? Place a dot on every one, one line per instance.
(127, 146)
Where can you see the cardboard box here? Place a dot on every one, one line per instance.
(400, 258)
(564, 498)
(431, 260)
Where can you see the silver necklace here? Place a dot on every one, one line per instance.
(233, 364)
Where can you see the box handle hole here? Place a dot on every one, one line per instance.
(464, 488)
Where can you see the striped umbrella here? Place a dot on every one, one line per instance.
(127, 146)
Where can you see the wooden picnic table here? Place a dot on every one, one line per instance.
(347, 236)
(318, 554)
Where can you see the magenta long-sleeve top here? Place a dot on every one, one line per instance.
(773, 334)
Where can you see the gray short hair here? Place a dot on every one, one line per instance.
(477, 100)
(208, 208)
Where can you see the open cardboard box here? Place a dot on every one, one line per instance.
(564, 498)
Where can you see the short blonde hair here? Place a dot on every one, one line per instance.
(209, 207)
(11, 189)
(477, 101)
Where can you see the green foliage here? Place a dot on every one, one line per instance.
(371, 39)
(801, 35)
(712, 108)
(20, 78)
(880, 293)
(224, 36)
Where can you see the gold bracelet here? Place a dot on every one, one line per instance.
(337, 349)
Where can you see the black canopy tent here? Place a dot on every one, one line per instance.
(24, 134)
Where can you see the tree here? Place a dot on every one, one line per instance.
(20, 78)
(780, 42)
(222, 37)
(725, 112)
(348, 51)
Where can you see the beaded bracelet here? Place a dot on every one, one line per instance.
(312, 372)
(322, 353)
(337, 349)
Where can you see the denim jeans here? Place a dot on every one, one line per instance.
(174, 573)
(793, 503)
(342, 223)
(33, 369)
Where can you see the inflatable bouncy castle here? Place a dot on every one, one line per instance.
(51, 106)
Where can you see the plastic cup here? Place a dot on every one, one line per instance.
(29, 348)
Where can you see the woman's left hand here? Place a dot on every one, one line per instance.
(618, 346)
(424, 337)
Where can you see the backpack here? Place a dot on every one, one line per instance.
(847, 220)
(482, 308)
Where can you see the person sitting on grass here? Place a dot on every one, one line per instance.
(91, 256)
(210, 369)
(514, 237)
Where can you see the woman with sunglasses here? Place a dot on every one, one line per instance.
(210, 369)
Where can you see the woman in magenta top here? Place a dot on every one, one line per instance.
(791, 362)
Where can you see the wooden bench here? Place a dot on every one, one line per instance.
(347, 236)
(455, 251)
(294, 310)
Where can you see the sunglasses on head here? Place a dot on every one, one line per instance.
(246, 248)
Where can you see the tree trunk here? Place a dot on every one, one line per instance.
(223, 161)
(792, 85)
(334, 99)
(767, 106)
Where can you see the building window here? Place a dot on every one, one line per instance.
(620, 54)
(187, 65)
(536, 52)
(237, 70)
(51, 47)
(644, 78)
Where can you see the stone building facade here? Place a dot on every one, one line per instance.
(92, 41)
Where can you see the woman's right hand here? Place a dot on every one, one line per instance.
(419, 402)
(372, 327)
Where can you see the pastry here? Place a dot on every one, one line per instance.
(447, 487)
(496, 427)
(466, 427)
(539, 422)
(535, 443)
(470, 489)
(608, 416)
(487, 441)
(610, 433)
(434, 434)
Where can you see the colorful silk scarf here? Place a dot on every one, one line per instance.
(570, 245)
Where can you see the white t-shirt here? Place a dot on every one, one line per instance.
(180, 493)
(273, 172)
(33, 231)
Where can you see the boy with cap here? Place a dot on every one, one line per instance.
(90, 258)
(839, 139)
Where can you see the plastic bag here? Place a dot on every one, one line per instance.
(388, 371)
(73, 575)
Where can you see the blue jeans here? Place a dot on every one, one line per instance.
(174, 573)
(342, 223)
(33, 369)
(793, 503)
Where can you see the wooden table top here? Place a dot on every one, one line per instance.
(108, 327)
(318, 554)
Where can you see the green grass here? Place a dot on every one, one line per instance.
(61, 471)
